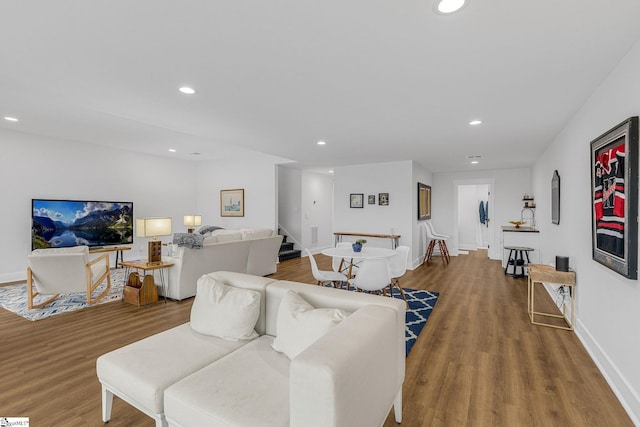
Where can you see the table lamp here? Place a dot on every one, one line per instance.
(153, 227)
(192, 221)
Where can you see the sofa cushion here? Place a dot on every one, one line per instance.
(249, 387)
(209, 239)
(227, 235)
(299, 325)
(140, 372)
(230, 237)
(256, 233)
(224, 311)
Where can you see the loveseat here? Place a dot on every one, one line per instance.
(252, 250)
(291, 369)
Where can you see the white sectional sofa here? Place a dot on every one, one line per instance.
(252, 251)
(350, 376)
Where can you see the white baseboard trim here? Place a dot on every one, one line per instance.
(624, 391)
(13, 277)
(626, 394)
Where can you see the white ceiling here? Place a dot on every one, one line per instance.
(379, 80)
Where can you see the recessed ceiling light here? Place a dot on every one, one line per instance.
(331, 171)
(475, 162)
(475, 122)
(10, 119)
(172, 150)
(187, 90)
(321, 143)
(445, 7)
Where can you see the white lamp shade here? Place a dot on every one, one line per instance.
(193, 220)
(153, 227)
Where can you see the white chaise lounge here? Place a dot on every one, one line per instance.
(352, 375)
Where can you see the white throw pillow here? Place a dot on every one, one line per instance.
(299, 325)
(224, 311)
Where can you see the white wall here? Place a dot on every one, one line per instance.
(608, 305)
(36, 167)
(257, 175)
(509, 185)
(399, 217)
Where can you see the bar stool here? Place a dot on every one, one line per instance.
(516, 259)
(434, 238)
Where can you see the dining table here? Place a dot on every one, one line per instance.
(348, 255)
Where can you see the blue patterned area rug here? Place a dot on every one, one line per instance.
(421, 304)
(14, 298)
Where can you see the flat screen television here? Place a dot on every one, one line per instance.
(64, 223)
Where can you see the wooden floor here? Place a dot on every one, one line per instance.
(478, 362)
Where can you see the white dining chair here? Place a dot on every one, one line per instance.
(373, 276)
(324, 277)
(397, 269)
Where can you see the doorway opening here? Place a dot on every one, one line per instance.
(473, 213)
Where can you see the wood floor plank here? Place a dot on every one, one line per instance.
(478, 362)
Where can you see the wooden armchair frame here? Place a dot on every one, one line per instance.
(31, 293)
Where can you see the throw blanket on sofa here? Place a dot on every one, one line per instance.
(207, 229)
(189, 240)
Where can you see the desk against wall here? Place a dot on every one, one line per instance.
(395, 238)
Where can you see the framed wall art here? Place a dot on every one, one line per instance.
(372, 199)
(232, 202)
(383, 199)
(614, 193)
(424, 201)
(555, 198)
(356, 200)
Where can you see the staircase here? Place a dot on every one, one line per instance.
(287, 251)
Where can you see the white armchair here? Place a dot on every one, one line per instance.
(58, 271)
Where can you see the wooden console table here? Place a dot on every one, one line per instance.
(149, 266)
(117, 249)
(539, 273)
(395, 238)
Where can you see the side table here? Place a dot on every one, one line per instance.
(149, 266)
(540, 273)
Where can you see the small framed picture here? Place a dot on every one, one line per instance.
(356, 200)
(232, 202)
(372, 199)
(383, 199)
